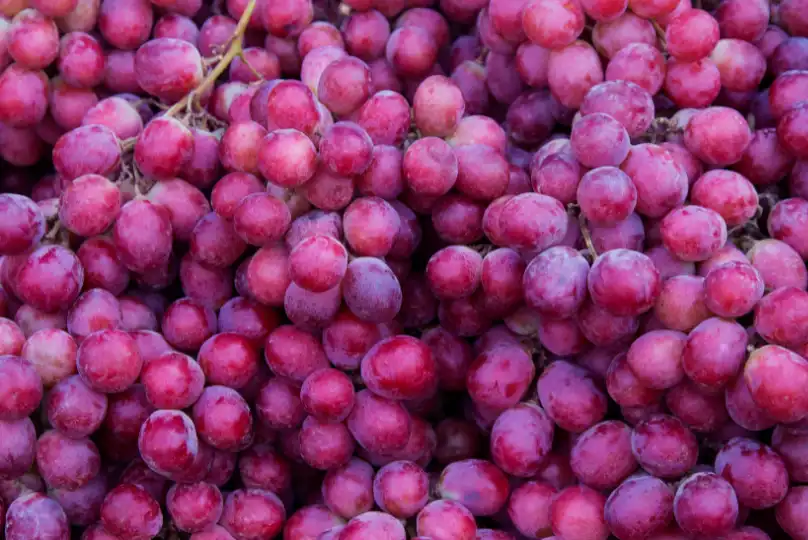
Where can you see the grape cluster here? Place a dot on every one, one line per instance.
(391, 269)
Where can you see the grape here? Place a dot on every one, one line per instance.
(741, 64)
(456, 218)
(790, 513)
(75, 409)
(401, 489)
(787, 91)
(222, 419)
(570, 86)
(790, 133)
(383, 177)
(778, 316)
(140, 519)
(729, 194)
(385, 117)
(32, 40)
(17, 450)
(22, 225)
(732, 289)
(606, 195)
(692, 84)
(705, 504)
(187, 324)
(81, 60)
(631, 297)
(400, 367)
(70, 162)
(89, 205)
(429, 167)
(293, 353)
(142, 235)
(715, 352)
(318, 263)
(693, 233)
(325, 445)
(262, 467)
(346, 149)
(500, 377)
(553, 24)
(664, 446)
(778, 264)
(240, 145)
(454, 272)
(378, 424)
(656, 358)
(601, 327)
(624, 101)
(35, 515)
(742, 408)
(278, 404)
(610, 36)
(328, 395)
(532, 221)
(680, 305)
(532, 64)
(588, 455)
(371, 290)
(172, 381)
(702, 136)
(194, 507)
(577, 513)
(168, 441)
(345, 84)
(209, 286)
(365, 34)
(757, 474)
(773, 375)
(640, 64)
(483, 173)
(412, 51)
(241, 508)
(669, 187)
(348, 490)
(173, 25)
(476, 484)
(640, 507)
(691, 35)
(521, 438)
(66, 463)
(580, 405)
(370, 226)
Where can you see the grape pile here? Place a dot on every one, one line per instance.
(391, 269)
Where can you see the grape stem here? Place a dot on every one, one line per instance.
(660, 34)
(236, 48)
(587, 237)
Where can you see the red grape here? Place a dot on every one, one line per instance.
(34, 515)
(664, 446)
(378, 424)
(400, 367)
(577, 514)
(553, 24)
(705, 504)
(639, 508)
(656, 358)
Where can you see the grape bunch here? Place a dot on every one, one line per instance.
(404, 269)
